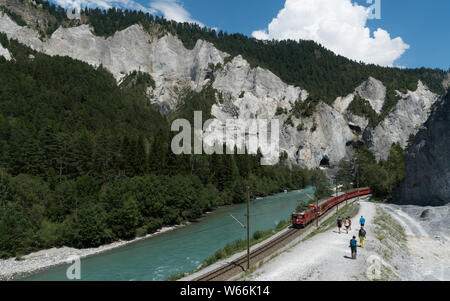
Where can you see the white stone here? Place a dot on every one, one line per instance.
(374, 92)
(5, 53)
(411, 111)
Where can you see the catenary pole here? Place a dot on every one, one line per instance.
(248, 227)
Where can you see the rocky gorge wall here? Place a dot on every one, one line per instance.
(247, 92)
(427, 161)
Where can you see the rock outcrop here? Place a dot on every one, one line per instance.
(374, 92)
(411, 111)
(5, 53)
(245, 93)
(322, 141)
(427, 161)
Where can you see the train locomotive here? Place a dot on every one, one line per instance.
(309, 213)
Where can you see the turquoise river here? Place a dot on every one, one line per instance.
(183, 249)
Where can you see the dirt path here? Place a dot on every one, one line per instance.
(428, 246)
(326, 256)
(401, 244)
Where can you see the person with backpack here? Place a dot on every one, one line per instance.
(353, 247)
(362, 221)
(347, 224)
(339, 224)
(362, 236)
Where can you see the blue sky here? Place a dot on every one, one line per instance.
(413, 33)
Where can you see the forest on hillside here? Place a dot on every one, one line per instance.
(302, 63)
(85, 162)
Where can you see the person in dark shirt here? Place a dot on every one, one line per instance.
(339, 224)
(362, 236)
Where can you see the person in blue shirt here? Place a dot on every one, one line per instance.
(353, 246)
(362, 221)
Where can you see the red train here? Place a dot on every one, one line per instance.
(309, 213)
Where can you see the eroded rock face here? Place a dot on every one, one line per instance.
(374, 92)
(427, 162)
(237, 78)
(446, 82)
(341, 103)
(411, 111)
(24, 34)
(247, 93)
(5, 53)
(171, 65)
(324, 138)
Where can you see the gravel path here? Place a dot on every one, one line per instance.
(428, 240)
(425, 255)
(325, 256)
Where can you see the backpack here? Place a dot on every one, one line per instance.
(362, 233)
(353, 243)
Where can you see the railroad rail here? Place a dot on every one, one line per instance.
(237, 266)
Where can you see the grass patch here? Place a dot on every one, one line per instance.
(235, 247)
(388, 232)
(176, 277)
(350, 209)
(393, 239)
(241, 245)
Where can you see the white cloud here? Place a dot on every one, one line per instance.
(103, 4)
(170, 9)
(173, 10)
(339, 26)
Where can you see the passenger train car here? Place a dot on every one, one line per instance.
(309, 213)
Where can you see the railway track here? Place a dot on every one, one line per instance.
(239, 265)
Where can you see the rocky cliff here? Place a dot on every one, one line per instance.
(411, 111)
(5, 53)
(427, 161)
(246, 92)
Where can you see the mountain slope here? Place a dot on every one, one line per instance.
(283, 80)
(427, 162)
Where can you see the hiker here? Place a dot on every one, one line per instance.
(362, 236)
(353, 246)
(339, 224)
(362, 221)
(347, 224)
(350, 223)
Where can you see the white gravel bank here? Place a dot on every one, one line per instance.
(11, 269)
(326, 255)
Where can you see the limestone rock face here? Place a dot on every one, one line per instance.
(5, 53)
(23, 34)
(245, 93)
(238, 78)
(323, 139)
(374, 92)
(357, 123)
(171, 65)
(446, 82)
(341, 103)
(427, 161)
(411, 111)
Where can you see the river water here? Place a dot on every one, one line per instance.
(183, 249)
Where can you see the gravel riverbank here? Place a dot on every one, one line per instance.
(12, 269)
